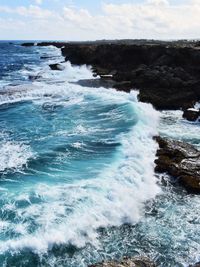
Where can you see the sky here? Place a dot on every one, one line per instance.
(99, 19)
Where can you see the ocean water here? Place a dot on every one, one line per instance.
(77, 182)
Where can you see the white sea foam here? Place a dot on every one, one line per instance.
(14, 155)
(174, 126)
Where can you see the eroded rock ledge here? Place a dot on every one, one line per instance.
(181, 160)
(127, 262)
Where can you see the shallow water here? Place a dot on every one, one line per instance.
(77, 184)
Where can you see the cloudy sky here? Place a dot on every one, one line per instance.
(96, 19)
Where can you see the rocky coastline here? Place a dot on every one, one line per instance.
(167, 75)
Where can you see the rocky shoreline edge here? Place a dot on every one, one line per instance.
(127, 262)
(131, 262)
(167, 75)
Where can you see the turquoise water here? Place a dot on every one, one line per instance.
(76, 171)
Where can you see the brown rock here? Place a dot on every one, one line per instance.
(191, 114)
(127, 262)
(195, 265)
(180, 160)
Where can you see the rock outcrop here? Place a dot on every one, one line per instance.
(181, 160)
(167, 74)
(56, 66)
(191, 114)
(167, 77)
(127, 262)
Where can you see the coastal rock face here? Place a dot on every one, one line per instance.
(191, 114)
(127, 262)
(166, 73)
(181, 160)
(167, 76)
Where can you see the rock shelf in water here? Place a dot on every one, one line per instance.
(127, 262)
(181, 160)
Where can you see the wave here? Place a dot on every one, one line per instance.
(72, 213)
(174, 126)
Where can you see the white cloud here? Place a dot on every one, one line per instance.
(31, 11)
(39, 2)
(34, 11)
(151, 19)
(158, 2)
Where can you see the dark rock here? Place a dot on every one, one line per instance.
(167, 77)
(48, 57)
(96, 83)
(100, 71)
(127, 262)
(167, 74)
(106, 76)
(125, 86)
(191, 114)
(34, 77)
(28, 44)
(195, 265)
(181, 160)
(56, 67)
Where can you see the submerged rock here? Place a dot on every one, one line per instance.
(127, 262)
(191, 114)
(57, 66)
(34, 77)
(180, 160)
(27, 44)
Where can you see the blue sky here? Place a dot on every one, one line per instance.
(87, 19)
(93, 5)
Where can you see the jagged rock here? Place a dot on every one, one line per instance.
(181, 160)
(56, 67)
(191, 114)
(127, 262)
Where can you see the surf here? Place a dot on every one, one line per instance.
(87, 161)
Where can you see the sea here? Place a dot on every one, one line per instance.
(77, 181)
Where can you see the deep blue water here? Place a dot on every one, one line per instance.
(76, 170)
